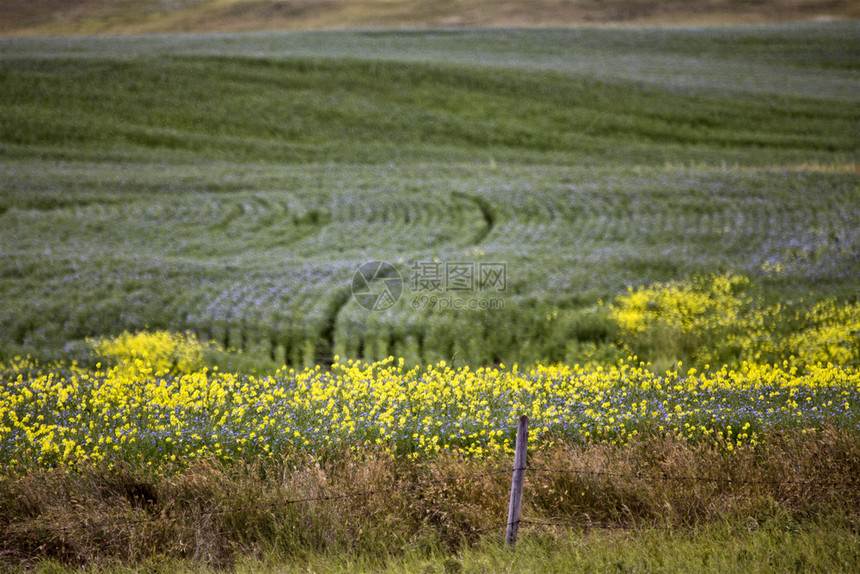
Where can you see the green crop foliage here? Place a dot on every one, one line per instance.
(231, 186)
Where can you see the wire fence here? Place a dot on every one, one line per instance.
(448, 480)
(270, 505)
(425, 484)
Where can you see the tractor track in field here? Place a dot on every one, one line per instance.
(324, 353)
(487, 213)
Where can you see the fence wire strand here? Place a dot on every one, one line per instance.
(426, 483)
(689, 478)
(595, 525)
(267, 506)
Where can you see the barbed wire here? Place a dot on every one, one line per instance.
(288, 502)
(423, 484)
(596, 525)
(690, 478)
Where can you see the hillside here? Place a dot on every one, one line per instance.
(37, 17)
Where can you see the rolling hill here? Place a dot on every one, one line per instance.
(39, 17)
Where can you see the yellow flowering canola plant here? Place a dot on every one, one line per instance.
(713, 320)
(160, 352)
(143, 410)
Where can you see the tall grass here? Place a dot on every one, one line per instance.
(373, 505)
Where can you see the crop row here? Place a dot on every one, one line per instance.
(270, 271)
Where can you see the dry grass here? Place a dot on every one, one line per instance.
(127, 16)
(213, 514)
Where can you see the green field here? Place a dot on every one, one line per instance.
(232, 184)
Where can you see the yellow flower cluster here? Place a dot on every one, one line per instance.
(833, 334)
(161, 352)
(712, 320)
(683, 306)
(144, 417)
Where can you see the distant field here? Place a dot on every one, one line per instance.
(232, 185)
(151, 16)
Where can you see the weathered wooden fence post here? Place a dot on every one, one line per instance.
(517, 480)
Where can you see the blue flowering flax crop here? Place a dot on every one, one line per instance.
(147, 415)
